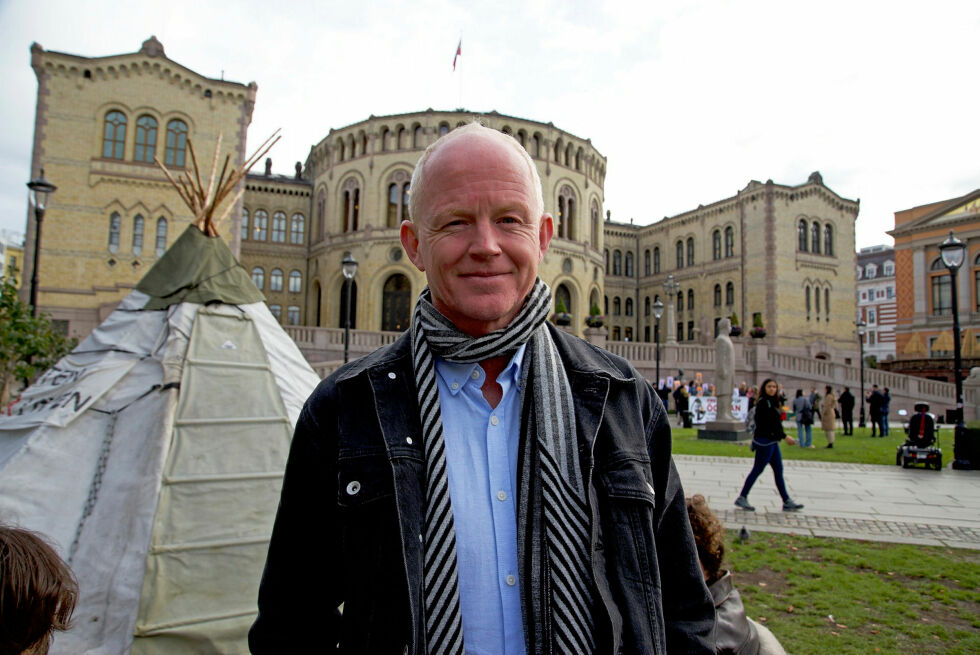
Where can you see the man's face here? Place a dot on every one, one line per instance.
(477, 236)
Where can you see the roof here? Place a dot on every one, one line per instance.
(944, 210)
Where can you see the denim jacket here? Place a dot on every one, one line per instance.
(344, 569)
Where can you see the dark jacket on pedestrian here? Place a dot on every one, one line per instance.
(330, 547)
(875, 402)
(846, 403)
(768, 420)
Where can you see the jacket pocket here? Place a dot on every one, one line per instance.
(627, 506)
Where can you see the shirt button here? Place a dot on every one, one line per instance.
(494, 420)
(511, 581)
(391, 376)
(501, 495)
(455, 386)
(475, 375)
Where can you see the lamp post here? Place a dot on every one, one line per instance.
(860, 326)
(953, 251)
(670, 288)
(40, 190)
(658, 311)
(348, 267)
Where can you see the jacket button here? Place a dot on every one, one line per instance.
(353, 487)
(409, 441)
(391, 376)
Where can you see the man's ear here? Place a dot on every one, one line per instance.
(546, 230)
(410, 242)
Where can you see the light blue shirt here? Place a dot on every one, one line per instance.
(481, 458)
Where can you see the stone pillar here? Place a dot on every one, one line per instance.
(671, 323)
(971, 395)
(596, 336)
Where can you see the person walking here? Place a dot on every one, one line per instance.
(803, 411)
(815, 402)
(765, 442)
(827, 420)
(847, 411)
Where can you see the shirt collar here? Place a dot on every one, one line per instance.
(456, 375)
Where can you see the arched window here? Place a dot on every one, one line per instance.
(364, 142)
(730, 294)
(146, 139)
(260, 225)
(629, 306)
(646, 306)
(942, 297)
(690, 251)
(522, 138)
(729, 241)
(717, 295)
(115, 224)
(161, 242)
(690, 299)
(680, 301)
(321, 212)
(343, 304)
(295, 281)
(629, 263)
(806, 294)
(341, 149)
(258, 277)
(617, 263)
(298, 225)
(418, 138)
(351, 204)
(607, 263)
(801, 235)
(114, 137)
(815, 238)
(680, 254)
(656, 259)
(617, 306)
(384, 139)
(244, 224)
(292, 315)
(443, 129)
(816, 301)
(137, 234)
(279, 227)
(568, 155)
(402, 138)
(396, 303)
(596, 225)
(646, 262)
(716, 244)
(176, 143)
(394, 198)
(828, 239)
(536, 145)
(275, 280)
(558, 149)
(566, 213)
(605, 305)
(826, 303)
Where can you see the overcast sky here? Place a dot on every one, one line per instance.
(689, 100)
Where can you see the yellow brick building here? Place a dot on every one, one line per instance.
(99, 123)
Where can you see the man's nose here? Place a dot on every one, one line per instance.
(485, 242)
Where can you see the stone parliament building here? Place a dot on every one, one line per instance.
(782, 252)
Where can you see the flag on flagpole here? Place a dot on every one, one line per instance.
(459, 51)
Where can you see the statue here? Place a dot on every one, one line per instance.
(724, 370)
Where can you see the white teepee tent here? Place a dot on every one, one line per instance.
(152, 457)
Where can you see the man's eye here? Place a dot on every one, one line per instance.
(509, 219)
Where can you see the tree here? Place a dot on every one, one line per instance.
(28, 345)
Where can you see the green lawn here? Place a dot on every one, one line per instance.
(859, 448)
(821, 595)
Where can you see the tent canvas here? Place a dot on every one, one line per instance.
(152, 455)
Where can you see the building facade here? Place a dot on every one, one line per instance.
(99, 124)
(924, 317)
(782, 254)
(876, 301)
(12, 257)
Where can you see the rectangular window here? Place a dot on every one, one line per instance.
(690, 330)
(276, 311)
(942, 298)
(292, 315)
(680, 330)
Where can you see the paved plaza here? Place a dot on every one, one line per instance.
(853, 501)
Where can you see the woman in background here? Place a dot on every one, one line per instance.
(765, 442)
(828, 420)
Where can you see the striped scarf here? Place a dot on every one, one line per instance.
(551, 425)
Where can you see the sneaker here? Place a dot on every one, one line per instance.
(789, 505)
(830, 445)
(743, 503)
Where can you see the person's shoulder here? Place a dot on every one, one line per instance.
(583, 357)
(385, 356)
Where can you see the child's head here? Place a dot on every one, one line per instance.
(709, 535)
(37, 592)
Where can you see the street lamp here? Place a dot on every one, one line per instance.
(658, 311)
(40, 190)
(670, 288)
(860, 326)
(953, 251)
(348, 267)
